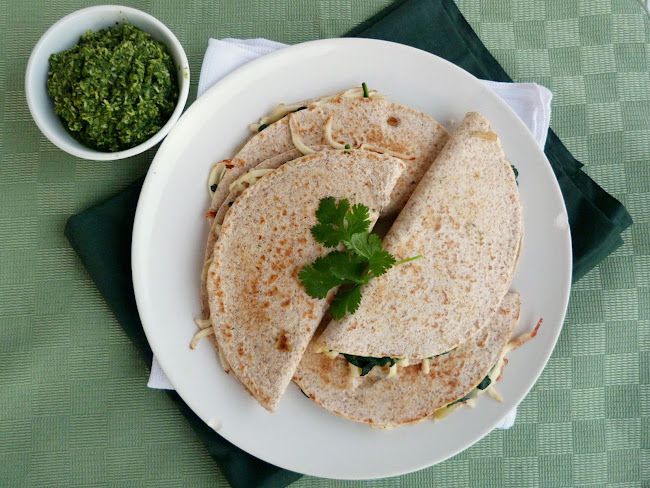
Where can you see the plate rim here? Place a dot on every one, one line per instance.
(144, 207)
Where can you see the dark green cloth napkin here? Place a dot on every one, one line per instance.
(437, 26)
(101, 235)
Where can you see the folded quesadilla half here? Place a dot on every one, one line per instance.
(465, 220)
(348, 119)
(429, 389)
(261, 316)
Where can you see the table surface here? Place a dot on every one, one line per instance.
(74, 408)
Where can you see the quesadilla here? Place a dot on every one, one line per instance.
(368, 122)
(348, 119)
(430, 388)
(261, 316)
(465, 220)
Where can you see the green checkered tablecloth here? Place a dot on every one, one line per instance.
(74, 410)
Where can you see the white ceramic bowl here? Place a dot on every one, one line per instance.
(64, 35)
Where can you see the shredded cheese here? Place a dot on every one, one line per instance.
(392, 371)
(216, 175)
(494, 374)
(247, 180)
(355, 371)
(328, 134)
(404, 362)
(276, 114)
(203, 323)
(397, 155)
(297, 141)
(526, 336)
(200, 335)
(485, 135)
(494, 394)
(204, 270)
(357, 92)
(331, 354)
(283, 109)
(426, 365)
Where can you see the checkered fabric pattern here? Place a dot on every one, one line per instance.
(74, 410)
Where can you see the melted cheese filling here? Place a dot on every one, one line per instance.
(247, 180)
(214, 178)
(494, 374)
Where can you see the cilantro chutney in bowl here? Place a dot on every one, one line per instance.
(107, 82)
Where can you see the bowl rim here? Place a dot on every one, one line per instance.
(78, 149)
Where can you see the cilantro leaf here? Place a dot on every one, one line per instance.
(329, 212)
(357, 219)
(327, 234)
(380, 262)
(346, 301)
(318, 279)
(346, 266)
(331, 228)
(365, 244)
(369, 246)
(362, 258)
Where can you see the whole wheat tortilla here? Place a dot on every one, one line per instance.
(465, 220)
(384, 125)
(262, 317)
(412, 395)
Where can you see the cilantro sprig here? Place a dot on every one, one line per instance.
(358, 256)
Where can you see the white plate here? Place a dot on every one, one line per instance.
(170, 232)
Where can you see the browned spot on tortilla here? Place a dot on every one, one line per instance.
(310, 313)
(284, 211)
(285, 303)
(240, 350)
(445, 298)
(228, 163)
(265, 304)
(503, 311)
(453, 383)
(393, 121)
(272, 278)
(302, 240)
(282, 342)
(476, 175)
(262, 220)
(210, 214)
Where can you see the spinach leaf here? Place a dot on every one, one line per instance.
(367, 363)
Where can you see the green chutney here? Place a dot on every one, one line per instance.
(115, 89)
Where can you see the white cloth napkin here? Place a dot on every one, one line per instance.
(531, 102)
